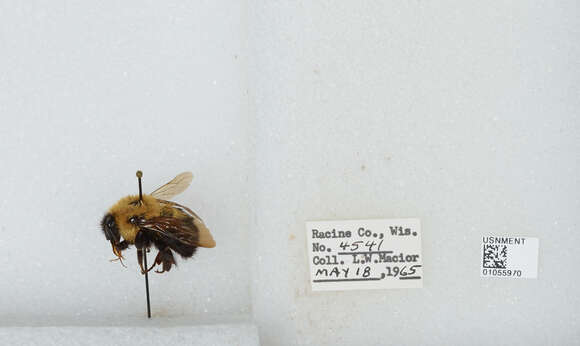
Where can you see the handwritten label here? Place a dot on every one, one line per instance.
(365, 254)
(509, 257)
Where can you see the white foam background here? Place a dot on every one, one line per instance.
(461, 114)
(242, 334)
(91, 92)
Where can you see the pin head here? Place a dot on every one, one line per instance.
(139, 174)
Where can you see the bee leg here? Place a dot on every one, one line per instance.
(117, 252)
(141, 265)
(117, 248)
(140, 260)
(158, 259)
(142, 241)
(156, 262)
(167, 260)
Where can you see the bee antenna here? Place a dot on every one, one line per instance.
(139, 176)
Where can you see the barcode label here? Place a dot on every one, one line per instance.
(509, 257)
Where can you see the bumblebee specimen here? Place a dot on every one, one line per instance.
(144, 220)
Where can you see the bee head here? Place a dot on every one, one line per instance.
(110, 228)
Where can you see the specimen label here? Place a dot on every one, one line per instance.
(365, 254)
(509, 257)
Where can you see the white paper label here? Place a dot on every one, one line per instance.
(509, 257)
(365, 254)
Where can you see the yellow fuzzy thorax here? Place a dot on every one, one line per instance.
(126, 208)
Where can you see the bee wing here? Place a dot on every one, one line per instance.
(174, 187)
(171, 227)
(205, 239)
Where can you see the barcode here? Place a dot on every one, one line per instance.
(494, 256)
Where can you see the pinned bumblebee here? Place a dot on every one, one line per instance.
(143, 220)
